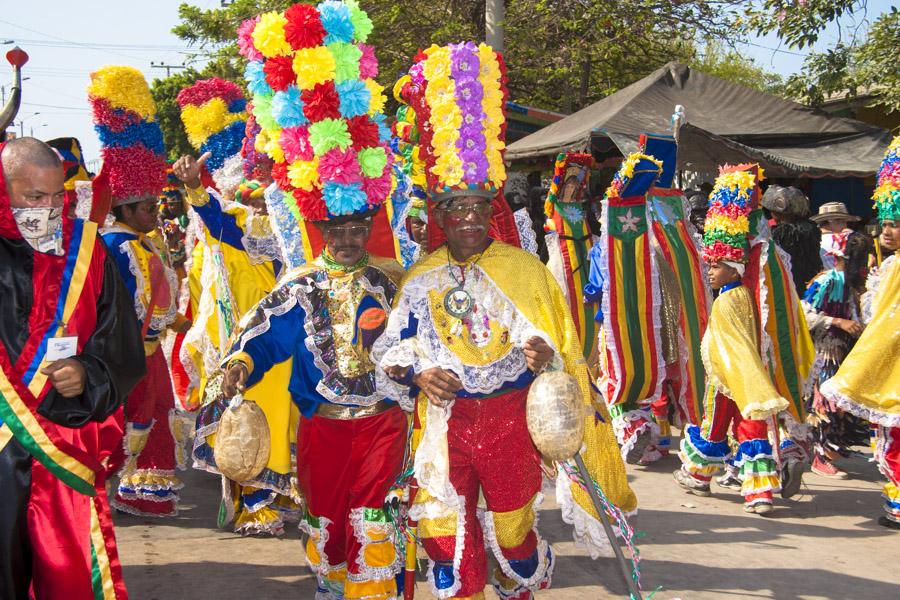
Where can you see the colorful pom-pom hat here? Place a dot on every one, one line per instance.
(458, 93)
(320, 111)
(134, 158)
(214, 115)
(887, 193)
(734, 196)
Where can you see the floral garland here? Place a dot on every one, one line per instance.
(132, 144)
(458, 93)
(315, 99)
(727, 222)
(887, 194)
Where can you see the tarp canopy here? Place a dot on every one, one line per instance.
(726, 122)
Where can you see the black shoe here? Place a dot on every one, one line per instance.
(890, 524)
(791, 478)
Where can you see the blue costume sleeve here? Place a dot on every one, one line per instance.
(274, 345)
(593, 291)
(221, 225)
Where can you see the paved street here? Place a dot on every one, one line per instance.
(824, 544)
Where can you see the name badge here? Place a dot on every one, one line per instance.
(59, 348)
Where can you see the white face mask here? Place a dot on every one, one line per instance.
(37, 223)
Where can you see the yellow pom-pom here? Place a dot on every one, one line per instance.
(304, 174)
(377, 97)
(313, 66)
(124, 87)
(398, 87)
(268, 35)
(273, 149)
(200, 122)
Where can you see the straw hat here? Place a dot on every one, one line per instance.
(831, 211)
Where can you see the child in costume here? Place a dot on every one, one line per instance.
(333, 167)
(741, 397)
(867, 384)
(134, 164)
(467, 339)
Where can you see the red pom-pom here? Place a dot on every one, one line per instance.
(116, 119)
(363, 132)
(321, 102)
(304, 27)
(134, 172)
(279, 72)
(311, 204)
(279, 174)
(206, 89)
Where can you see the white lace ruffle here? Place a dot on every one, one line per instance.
(873, 284)
(526, 232)
(431, 467)
(588, 532)
(431, 349)
(457, 555)
(388, 532)
(544, 567)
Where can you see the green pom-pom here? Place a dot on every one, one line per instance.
(372, 161)
(362, 24)
(328, 134)
(738, 241)
(262, 110)
(346, 61)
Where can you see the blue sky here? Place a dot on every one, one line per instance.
(67, 40)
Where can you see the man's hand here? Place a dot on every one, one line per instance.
(188, 169)
(851, 327)
(185, 326)
(538, 354)
(396, 372)
(439, 386)
(67, 377)
(235, 377)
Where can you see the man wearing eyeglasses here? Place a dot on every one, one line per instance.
(351, 438)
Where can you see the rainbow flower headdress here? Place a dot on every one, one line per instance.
(314, 95)
(734, 196)
(134, 159)
(214, 115)
(887, 193)
(458, 93)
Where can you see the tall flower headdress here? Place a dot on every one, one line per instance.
(887, 193)
(734, 196)
(320, 111)
(134, 160)
(214, 115)
(458, 93)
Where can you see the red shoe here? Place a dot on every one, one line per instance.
(824, 468)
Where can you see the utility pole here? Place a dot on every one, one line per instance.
(494, 15)
(168, 68)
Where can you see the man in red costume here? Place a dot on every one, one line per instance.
(71, 352)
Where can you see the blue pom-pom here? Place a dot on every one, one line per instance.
(224, 144)
(146, 133)
(384, 132)
(336, 21)
(287, 108)
(256, 79)
(237, 105)
(355, 97)
(343, 198)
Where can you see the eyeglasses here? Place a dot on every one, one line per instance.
(355, 231)
(461, 211)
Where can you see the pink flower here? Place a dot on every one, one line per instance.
(245, 40)
(368, 64)
(377, 189)
(295, 144)
(339, 166)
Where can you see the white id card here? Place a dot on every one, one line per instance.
(59, 348)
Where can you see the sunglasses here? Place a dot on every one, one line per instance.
(461, 211)
(355, 231)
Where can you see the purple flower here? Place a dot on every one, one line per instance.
(465, 61)
(475, 165)
(469, 93)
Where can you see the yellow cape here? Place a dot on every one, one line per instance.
(535, 293)
(867, 383)
(730, 350)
